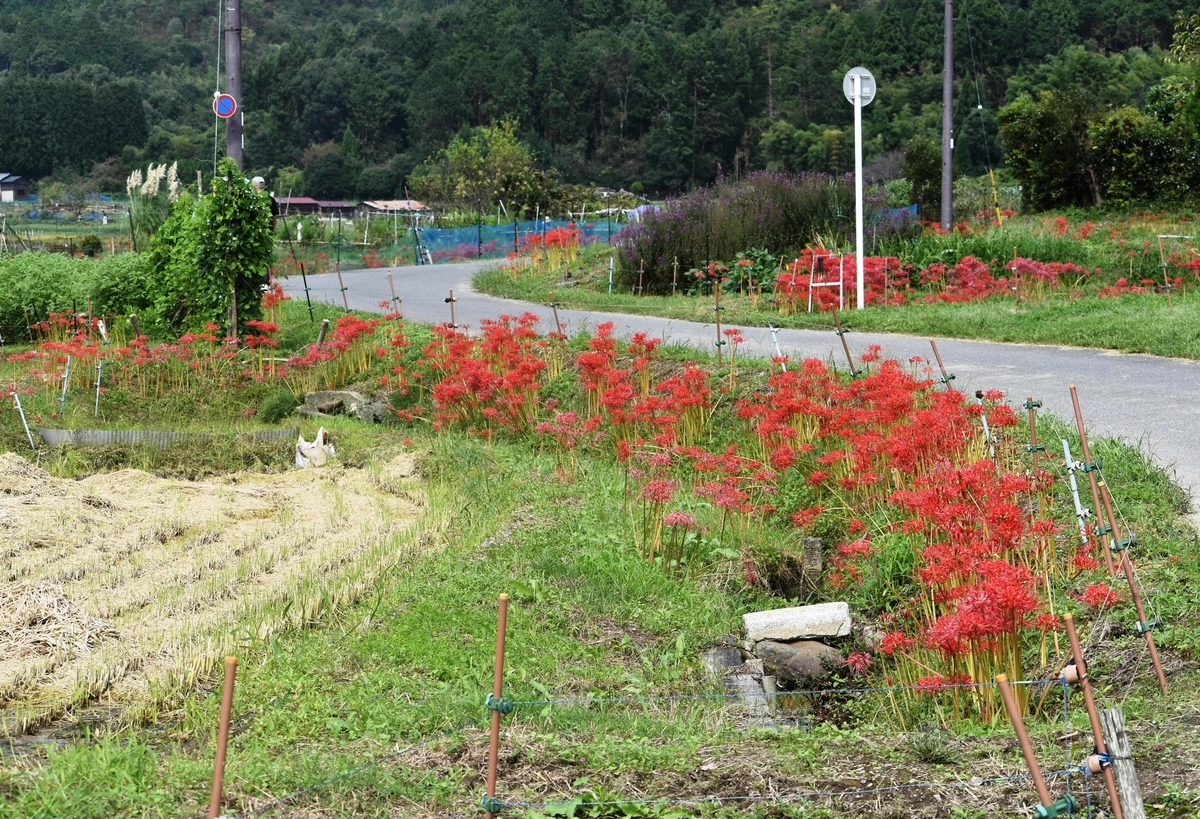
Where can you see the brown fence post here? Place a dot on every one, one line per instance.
(1093, 716)
(946, 377)
(1049, 808)
(1090, 468)
(214, 804)
(1145, 627)
(495, 702)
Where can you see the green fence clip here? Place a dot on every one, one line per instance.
(1093, 466)
(947, 379)
(491, 804)
(1035, 447)
(1032, 404)
(1063, 807)
(841, 332)
(1101, 531)
(1122, 545)
(1149, 625)
(502, 704)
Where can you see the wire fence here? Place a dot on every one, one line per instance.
(587, 798)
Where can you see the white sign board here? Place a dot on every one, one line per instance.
(868, 85)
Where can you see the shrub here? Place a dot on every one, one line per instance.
(277, 406)
(91, 245)
(776, 211)
(32, 285)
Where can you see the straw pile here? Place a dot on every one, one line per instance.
(129, 587)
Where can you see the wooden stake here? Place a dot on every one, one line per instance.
(395, 301)
(946, 378)
(837, 322)
(1089, 702)
(1014, 714)
(1098, 533)
(321, 332)
(1144, 626)
(214, 804)
(1112, 721)
(452, 301)
(1034, 446)
(497, 692)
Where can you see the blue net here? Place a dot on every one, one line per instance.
(497, 241)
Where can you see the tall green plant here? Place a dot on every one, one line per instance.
(211, 256)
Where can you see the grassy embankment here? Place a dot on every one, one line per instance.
(355, 681)
(1070, 313)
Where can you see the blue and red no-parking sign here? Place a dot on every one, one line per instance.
(225, 106)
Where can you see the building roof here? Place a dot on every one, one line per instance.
(333, 203)
(295, 200)
(10, 178)
(396, 205)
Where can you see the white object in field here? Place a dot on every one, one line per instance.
(103, 330)
(315, 452)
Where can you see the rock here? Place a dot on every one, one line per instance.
(718, 660)
(813, 556)
(800, 660)
(375, 411)
(333, 402)
(745, 682)
(824, 620)
(326, 403)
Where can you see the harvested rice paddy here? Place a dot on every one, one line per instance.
(123, 588)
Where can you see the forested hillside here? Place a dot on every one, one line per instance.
(346, 98)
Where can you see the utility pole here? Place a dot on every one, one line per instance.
(947, 119)
(233, 79)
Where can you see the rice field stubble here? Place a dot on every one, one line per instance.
(125, 588)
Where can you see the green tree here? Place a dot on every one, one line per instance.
(1048, 147)
(923, 168)
(480, 167)
(211, 256)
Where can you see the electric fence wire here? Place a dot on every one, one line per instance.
(987, 151)
(974, 782)
(795, 795)
(739, 695)
(1131, 536)
(366, 766)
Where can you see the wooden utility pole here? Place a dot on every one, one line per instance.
(947, 119)
(233, 79)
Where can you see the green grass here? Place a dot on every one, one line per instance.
(1138, 323)
(587, 618)
(413, 660)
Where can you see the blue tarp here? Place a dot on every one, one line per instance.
(495, 241)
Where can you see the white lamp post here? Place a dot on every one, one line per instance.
(859, 87)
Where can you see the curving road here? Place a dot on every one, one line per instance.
(1147, 400)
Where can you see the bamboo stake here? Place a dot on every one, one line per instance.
(946, 378)
(1089, 467)
(452, 301)
(674, 275)
(717, 308)
(1144, 626)
(214, 804)
(1034, 446)
(24, 423)
(497, 692)
(395, 301)
(1089, 702)
(1014, 714)
(837, 322)
(321, 332)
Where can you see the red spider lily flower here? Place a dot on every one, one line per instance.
(859, 662)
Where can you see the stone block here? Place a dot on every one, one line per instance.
(822, 621)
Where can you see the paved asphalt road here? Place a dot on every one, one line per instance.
(1151, 401)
